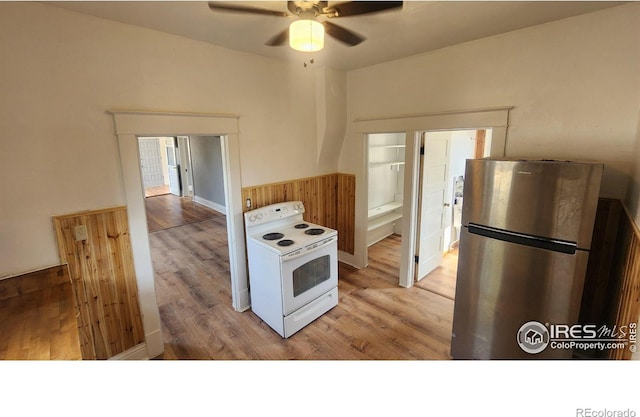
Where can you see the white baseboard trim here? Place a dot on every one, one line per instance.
(152, 347)
(136, 353)
(210, 204)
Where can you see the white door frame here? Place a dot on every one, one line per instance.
(129, 125)
(186, 178)
(175, 167)
(496, 118)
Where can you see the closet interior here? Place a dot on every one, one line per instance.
(386, 156)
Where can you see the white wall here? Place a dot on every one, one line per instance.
(462, 146)
(385, 181)
(573, 83)
(207, 171)
(59, 73)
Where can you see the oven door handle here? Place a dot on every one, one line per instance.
(308, 249)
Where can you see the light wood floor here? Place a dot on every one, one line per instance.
(441, 281)
(154, 191)
(40, 325)
(375, 318)
(166, 211)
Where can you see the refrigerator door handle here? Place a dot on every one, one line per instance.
(555, 245)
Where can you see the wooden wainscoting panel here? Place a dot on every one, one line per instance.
(329, 200)
(599, 283)
(104, 281)
(318, 194)
(628, 270)
(480, 143)
(346, 212)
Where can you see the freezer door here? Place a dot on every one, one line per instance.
(542, 198)
(503, 285)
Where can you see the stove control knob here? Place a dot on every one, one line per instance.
(252, 218)
(259, 216)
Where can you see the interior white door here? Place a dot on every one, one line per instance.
(150, 162)
(433, 187)
(184, 161)
(174, 167)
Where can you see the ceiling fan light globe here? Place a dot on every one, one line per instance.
(306, 35)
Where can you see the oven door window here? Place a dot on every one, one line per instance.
(311, 274)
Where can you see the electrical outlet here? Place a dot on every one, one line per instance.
(80, 232)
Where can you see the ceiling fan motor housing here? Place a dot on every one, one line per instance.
(307, 8)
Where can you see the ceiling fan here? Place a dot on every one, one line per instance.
(306, 33)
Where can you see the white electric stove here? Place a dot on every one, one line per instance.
(293, 266)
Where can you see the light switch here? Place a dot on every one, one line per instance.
(80, 232)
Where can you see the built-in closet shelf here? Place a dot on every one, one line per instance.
(381, 221)
(386, 156)
(384, 209)
(378, 164)
(384, 214)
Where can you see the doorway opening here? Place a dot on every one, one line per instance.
(187, 222)
(185, 166)
(159, 166)
(443, 156)
(385, 197)
(129, 126)
(441, 166)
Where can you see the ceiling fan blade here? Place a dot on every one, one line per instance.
(354, 8)
(214, 5)
(342, 34)
(280, 39)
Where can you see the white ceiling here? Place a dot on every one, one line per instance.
(420, 26)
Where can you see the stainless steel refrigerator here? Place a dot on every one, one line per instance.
(524, 246)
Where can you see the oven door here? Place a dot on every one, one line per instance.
(309, 273)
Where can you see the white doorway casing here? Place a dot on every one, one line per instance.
(129, 125)
(186, 179)
(172, 167)
(496, 119)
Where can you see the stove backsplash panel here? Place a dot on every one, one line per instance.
(329, 200)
